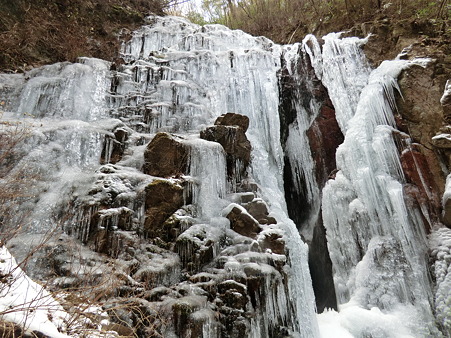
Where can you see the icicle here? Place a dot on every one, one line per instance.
(363, 208)
(343, 70)
(207, 167)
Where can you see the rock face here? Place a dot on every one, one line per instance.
(229, 130)
(423, 117)
(165, 156)
(299, 87)
(324, 137)
(163, 198)
(242, 222)
(417, 171)
(424, 108)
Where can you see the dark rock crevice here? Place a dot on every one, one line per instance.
(324, 136)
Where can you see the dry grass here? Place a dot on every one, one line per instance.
(285, 21)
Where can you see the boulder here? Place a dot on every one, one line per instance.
(166, 155)
(273, 241)
(198, 246)
(242, 222)
(259, 210)
(162, 199)
(229, 131)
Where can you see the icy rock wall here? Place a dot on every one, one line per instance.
(377, 245)
(193, 74)
(297, 147)
(177, 77)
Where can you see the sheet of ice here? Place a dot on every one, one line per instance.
(27, 303)
(207, 168)
(66, 90)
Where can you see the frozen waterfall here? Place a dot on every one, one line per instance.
(88, 125)
(377, 245)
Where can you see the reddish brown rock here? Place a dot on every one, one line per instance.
(165, 156)
(236, 145)
(232, 139)
(415, 198)
(324, 138)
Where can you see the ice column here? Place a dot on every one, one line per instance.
(207, 168)
(343, 69)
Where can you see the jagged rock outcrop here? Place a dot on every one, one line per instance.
(232, 119)
(230, 131)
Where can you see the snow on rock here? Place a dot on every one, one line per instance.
(446, 98)
(27, 303)
(440, 244)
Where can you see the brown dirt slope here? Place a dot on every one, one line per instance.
(37, 32)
